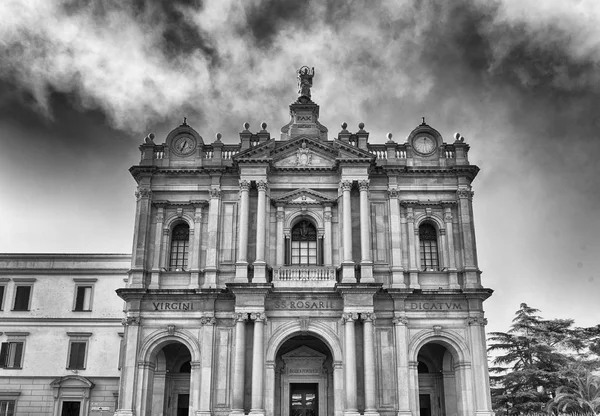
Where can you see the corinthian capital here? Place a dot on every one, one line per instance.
(143, 193)
(349, 317)
(345, 185)
(258, 316)
(368, 316)
(363, 185)
(215, 192)
(465, 193)
(262, 185)
(244, 185)
(400, 320)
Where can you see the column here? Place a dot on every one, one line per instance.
(347, 262)
(412, 249)
(451, 253)
(237, 396)
(403, 387)
(196, 386)
(258, 360)
(327, 237)
(366, 263)
(195, 246)
(396, 236)
(259, 264)
(140, 235)
(369, 362)
(212, 238)
(127, 383)
(206, 363)
(469, 249)
(145, 373)
(350, 363)
(156, 264)
(483, 401)
(241, 269)
(280, 237)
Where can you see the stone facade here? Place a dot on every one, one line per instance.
(42, 378)
(303, 275)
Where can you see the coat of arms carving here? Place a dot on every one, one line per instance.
(303, 156)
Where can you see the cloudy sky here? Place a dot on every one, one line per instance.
(82, 82)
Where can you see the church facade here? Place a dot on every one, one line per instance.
(303, 275)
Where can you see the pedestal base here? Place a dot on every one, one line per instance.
(371, 413)
(210, 279)
(241, 273)
(348, 275)
(256, 412)
(260, 273)
(124, 413)
(366, 273)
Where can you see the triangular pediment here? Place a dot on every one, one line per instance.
(304, 152)
(304, 352)
(303, 196)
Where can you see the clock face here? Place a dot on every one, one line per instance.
(184, 145)
(424, 144)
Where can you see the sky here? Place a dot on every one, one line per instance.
(83, 82)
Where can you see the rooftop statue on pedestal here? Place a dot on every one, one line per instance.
(304, 112)
(305, 82)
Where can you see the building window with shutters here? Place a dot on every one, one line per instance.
(84, 290)
(180, 240)
(2, 292)
(7, 407)
(428, 248)
(78, 347)
(22, 297)
(11, 354)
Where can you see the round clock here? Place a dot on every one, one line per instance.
(184, 145)
(424, 144)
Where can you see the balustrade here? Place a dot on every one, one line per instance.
(304, 273)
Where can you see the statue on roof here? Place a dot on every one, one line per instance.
(305, 77)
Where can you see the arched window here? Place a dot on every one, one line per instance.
(180, 240)
(304, 244)
(428, 248)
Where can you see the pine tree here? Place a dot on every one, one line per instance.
(529, 365)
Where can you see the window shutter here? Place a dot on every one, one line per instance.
(80, 298)
(18, 346)
(3, 354)
(81, 355)
(73, 355)
(1, 297)
(22, 298)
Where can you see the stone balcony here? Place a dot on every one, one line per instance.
(304, 276)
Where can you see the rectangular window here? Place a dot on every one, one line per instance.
(22, 298)
(2, 291)
(83, 298)
(77, 355)
(7, 407)
(11, 354)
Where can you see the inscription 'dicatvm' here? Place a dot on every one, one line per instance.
(435, 306)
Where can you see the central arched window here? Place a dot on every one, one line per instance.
(428, 248)
(180, 240)
(304, 244)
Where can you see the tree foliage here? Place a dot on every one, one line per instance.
(535, 358)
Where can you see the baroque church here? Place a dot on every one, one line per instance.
(298, 275)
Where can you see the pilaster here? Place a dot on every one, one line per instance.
(366, 263)
(214, 209)
(348, 275)
(241, 265)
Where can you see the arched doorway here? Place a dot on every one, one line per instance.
(438, 393)
(304, 378)
(170, 381)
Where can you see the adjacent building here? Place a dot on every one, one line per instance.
(300, 275)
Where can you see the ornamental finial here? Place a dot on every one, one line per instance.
(305, 81)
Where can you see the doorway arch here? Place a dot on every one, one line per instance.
(290, 338)
(167, 374)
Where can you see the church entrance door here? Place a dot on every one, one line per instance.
(304, 399)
